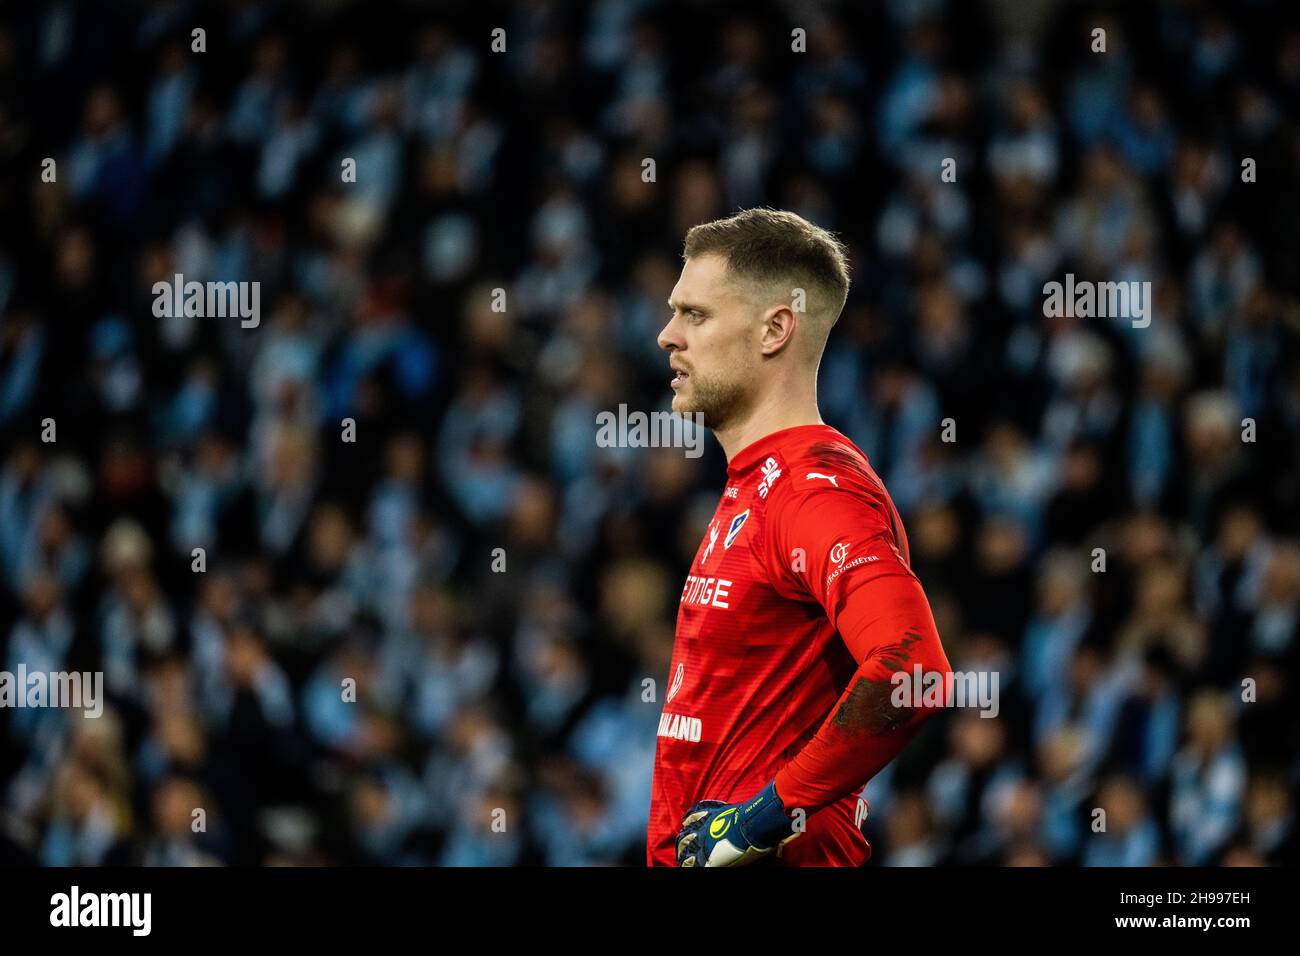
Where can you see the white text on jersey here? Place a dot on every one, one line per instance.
(680, 727)
(706, 592)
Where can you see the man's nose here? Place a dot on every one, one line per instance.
(669, 337)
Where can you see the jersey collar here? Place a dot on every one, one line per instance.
(757, 451)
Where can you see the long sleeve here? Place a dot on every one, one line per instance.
(843, 546)
(888, 626)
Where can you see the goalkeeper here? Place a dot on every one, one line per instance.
(800, 606)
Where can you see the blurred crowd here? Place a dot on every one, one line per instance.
(429, 645)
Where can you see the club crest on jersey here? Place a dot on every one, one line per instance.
(737, 523)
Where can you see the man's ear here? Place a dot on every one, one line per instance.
(778, 329)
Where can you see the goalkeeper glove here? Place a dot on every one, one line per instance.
(715, 833)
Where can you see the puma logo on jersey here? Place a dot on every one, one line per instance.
(816, 474)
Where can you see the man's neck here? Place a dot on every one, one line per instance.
(770, 415)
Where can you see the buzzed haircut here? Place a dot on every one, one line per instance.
(771, 246)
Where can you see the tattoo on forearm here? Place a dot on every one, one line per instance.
(896, 657)
(867, 709)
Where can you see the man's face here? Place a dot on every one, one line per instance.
(712, 342)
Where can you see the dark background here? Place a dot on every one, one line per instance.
(522, 691)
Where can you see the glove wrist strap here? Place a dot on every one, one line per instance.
(763, 819)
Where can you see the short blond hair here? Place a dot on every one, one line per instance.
(771, 246)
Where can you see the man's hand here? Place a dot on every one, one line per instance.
(715, 833)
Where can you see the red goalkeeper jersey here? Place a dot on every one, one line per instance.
(758, 663)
